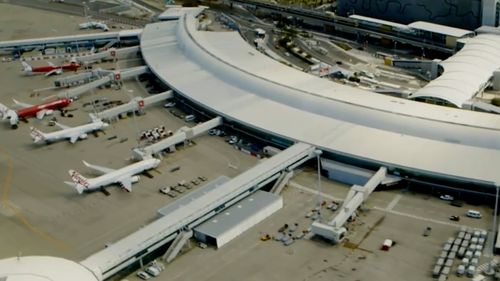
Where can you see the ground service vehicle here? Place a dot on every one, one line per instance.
(473, 214)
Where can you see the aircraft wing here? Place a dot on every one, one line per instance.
(74, 138)
(64, 127)
(98, 169)
(126, 182)
(56, 71)
(40, 114)
(22, 104)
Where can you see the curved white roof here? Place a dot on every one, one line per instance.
(467, 72)
(442, 29)
(43, 268)
(221, 72)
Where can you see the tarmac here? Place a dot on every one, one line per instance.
(40, 215)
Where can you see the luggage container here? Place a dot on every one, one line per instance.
(445, 270)
(465, 243)
(460, 270)
(471, 271)
(436, 271)
(468, 254)
(461, 252)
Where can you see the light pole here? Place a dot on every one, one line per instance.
(318, 154)
(490, 269)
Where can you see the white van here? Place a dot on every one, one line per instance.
(153, 271)
(474, 214)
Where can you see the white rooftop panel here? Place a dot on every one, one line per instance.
(243, 85)
(443, 29)
(379, 21)
(115, 255)
(174, 12)
(476, 62)
(43, 268)
(238, 213)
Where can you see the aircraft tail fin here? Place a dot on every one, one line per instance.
(7, 113)
(37, 135)
(26, 67)
(3, 111)
(94, 117)
(79, 188)
(79, 182)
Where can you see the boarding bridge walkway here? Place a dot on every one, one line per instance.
(334, 229)
(81, 78)
(282, 181)
(135, 104)
(191, 210)
(180, 136)
(177, 245)
(486, 107)
(73, 41)
(115, 76)
(109, 54)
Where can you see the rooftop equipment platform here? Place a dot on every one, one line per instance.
(188, 213)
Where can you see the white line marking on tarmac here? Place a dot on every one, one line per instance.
(416, 217)
(313, 191)
(394, 202)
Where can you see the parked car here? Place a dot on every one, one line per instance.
(189, 118)
(169, 104)
(455, 218)
(153, 271)
(446, 197)
(232, 139)
(143, 275)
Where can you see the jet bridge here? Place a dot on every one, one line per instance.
(192, 210)
(181, 135)
(81, 78)
(135, 104)
(109, 54)
(334, 230)
(115, 76)
(73, 42)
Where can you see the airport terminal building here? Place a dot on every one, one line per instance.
(219, 74)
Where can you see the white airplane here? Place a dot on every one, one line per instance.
(94, 25)
(71, 133)
(124, 176)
